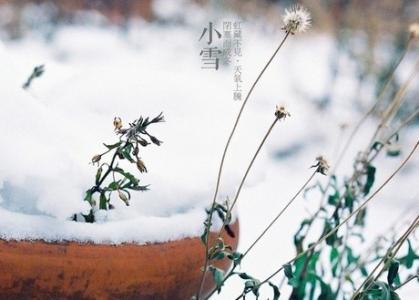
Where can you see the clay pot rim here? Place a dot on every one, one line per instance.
(90, 243)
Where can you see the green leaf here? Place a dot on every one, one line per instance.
(360, 217)
(126, 154)
(288, 271)
(410, 257)
(114, 185)
(113, 146)
(364, 271)
(103, 201)
(218, 276)
(350, 256)
(334, 255)
(245, 276)
(334, 199)
(131, 178)
(385, 290)
(139, 188)
(88, 197)
(218, 255)
(252, 285)
(394, 295)
(325, 289)
(276, 291)
(204, 236)
(98, 175)
(370, 179)
(331, 239)
(349, 200)
(236, 257)
(392, 271)
(294, 282)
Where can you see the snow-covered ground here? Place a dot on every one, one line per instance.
(93, 73)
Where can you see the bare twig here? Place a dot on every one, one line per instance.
(220, 169)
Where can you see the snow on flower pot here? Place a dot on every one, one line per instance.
(73, 270)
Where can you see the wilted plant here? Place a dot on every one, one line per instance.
(121, 182)
(342, 213)
(295, 20)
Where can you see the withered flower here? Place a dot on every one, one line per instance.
(141, 166)
(117, 123)
(96, 158)
(322, 165)
(281, 112)
(123, 197)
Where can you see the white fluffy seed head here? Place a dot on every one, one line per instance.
(296, 19)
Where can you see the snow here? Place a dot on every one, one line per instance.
(94, 73)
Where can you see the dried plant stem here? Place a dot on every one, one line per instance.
(361, 122)
(406, 282)
(268, 227)
(394, 105)
(391, 252)
(392, 227)
(249, 167)
(220, 168)
(412, 228)
(349, 216)
(280, 213)
(373, 107)
(409, 119)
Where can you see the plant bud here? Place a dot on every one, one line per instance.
(117, 122)
(96, 158)
(281, 112)
(322, 165)
(143, 142)
(123, 197)
(141, 166)
(155, 140)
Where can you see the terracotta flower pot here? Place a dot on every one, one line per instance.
(40, 270)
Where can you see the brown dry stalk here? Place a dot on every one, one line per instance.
(220, 168)
(391, 252)
(279, 214)
(269, 226)
(373, 107)
(350, 215)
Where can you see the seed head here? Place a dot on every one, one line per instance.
(141, 166)
(123, 197)
(296, 19)
(281, 112)
(414, 30)
(96, 158)
(322, 165)
(117, 122)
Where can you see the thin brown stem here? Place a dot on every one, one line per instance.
(280, 213)
(266, 229)
(249, 167)
(389, 254)
(350, 215)
(406, 282)
(220, 168)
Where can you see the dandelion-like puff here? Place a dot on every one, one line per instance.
(297, 19)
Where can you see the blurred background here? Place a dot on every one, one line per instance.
(370, 33)
(117, 57)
